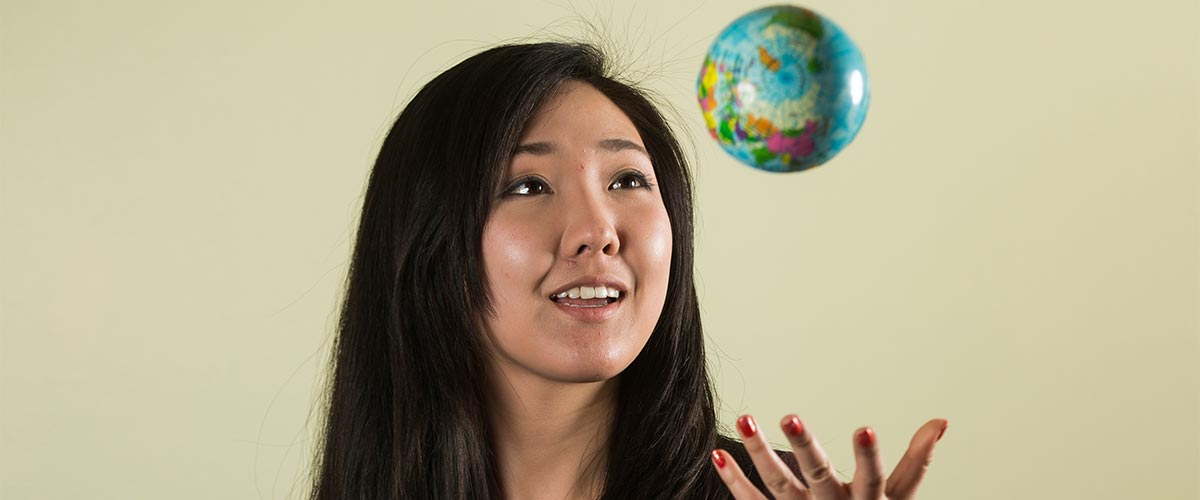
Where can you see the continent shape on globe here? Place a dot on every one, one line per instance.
(783, 89)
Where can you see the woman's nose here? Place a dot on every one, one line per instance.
(591, 228)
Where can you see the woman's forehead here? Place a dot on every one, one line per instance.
(581, 113)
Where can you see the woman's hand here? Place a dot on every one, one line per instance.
(868, 483)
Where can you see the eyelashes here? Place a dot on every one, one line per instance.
(527, 186)
(534, 185)
(636, 181)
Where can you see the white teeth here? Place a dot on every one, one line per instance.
(588, 292)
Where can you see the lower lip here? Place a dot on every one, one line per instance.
(592, 314)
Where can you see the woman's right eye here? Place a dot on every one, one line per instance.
(526, 187)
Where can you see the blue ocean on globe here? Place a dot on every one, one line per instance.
(783, 89)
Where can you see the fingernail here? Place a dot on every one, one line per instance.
(718, 459)
(746, 426)
(866, 438)
(943, 431)
(793, 427)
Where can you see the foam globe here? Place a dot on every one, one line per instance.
(783, 89)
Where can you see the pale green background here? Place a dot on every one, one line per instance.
(1011, 242)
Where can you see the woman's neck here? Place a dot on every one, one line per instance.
(551, 438)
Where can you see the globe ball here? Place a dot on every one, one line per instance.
(783, 89)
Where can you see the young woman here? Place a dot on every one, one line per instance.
(521, 319)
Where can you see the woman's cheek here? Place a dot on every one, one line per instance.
(505, 254)
(512, 250)
(657, 242)
(662, 249)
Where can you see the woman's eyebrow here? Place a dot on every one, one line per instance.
(610, 145)
(618, 145)
(535, 148)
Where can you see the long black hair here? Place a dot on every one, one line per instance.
(405, 411)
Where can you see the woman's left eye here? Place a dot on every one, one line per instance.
(630, 180)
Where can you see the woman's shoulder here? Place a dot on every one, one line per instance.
(737, 450)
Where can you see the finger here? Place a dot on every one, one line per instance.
(731, 474)
(814, 464)
(909, 472)
(868, 470)
(775, 474)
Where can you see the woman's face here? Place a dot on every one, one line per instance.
(579, 210)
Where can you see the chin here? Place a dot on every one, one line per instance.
(581, 371)
(578, 357)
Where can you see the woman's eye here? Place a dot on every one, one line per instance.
(630, 180)
(531, 186)
(526, 187)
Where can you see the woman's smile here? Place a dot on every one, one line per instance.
(594, 303)
(590, 310)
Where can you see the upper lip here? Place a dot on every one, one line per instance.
(606, 281)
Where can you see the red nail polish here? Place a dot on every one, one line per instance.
(718, 459)
(747, 426)
(793, 427)
(866, 438)
(943, 431)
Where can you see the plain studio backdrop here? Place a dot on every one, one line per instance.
(1010, 243)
